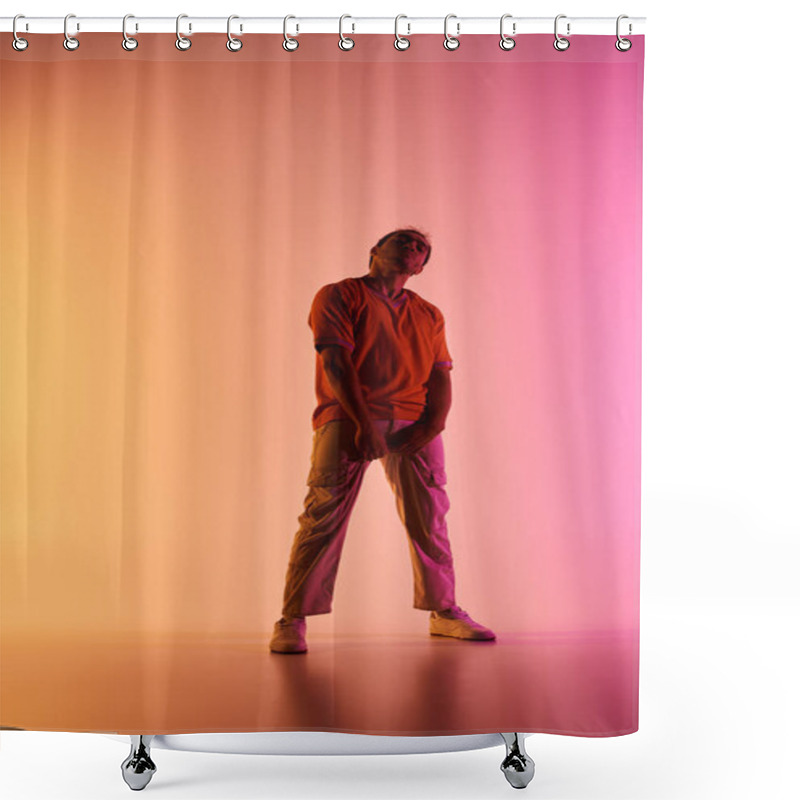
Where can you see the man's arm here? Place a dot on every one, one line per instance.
(344, 382)
(439, 398)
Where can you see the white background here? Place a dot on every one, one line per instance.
(719, 624)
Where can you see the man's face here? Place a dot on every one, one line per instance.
(405, 250)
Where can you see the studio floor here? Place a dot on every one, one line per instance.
(413, 685)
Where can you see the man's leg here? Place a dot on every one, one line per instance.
(333, 484)
(418, 484)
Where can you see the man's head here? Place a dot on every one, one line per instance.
(405, 250)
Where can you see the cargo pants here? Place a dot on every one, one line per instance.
(334, 481)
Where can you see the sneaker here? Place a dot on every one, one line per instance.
(289, 636)
(457, 623)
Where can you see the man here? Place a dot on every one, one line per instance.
(383, 391)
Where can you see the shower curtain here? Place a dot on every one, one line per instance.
(183, 233)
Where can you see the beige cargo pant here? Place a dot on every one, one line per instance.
(337, 471)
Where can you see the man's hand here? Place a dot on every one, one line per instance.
(369, 441)
(412, 438)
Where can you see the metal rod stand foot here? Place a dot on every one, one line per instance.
(517, 766)
(138, 768)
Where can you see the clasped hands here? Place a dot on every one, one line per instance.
(406, 441)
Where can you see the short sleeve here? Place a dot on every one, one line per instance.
(441, 353)
(330, 318)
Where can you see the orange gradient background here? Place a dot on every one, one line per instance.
(167, 218)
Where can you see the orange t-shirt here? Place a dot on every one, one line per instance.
(394, 345)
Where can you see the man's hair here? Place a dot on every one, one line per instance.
(405, 230)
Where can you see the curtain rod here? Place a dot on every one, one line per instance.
(406, 26)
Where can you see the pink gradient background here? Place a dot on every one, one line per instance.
(166, 220)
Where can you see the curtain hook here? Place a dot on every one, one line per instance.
(233, 44)
(345, 43)
(623, 45)
(506, 42)
(70, 42)
(400, 42)
(560, 43)
(18, 43)
(451, 42)
(290, 44)
(182, 43)
(128, 42)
